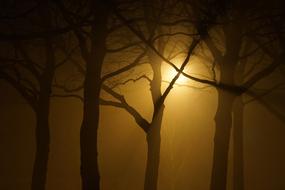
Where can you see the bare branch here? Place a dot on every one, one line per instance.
(68, 96)
(132, 80)
(162, 98)
(20, 88)
(122, 48)
(124, 69)
(265, 72)
(257, 97)
(143, 123)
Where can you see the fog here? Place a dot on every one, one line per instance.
(187, 138)
(142, 95)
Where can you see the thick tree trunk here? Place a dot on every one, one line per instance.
(88, 136)
(89, 129)
(153, 152)
(42, 147)
(221, 141)
(153, 134)
(238, 144)
(223, 118)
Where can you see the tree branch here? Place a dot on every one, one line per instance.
(143, 123)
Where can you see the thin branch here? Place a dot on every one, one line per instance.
(124, 69)
(267, 92)
(20, 88)
(162, 98)
(67, 58)
(217, 54)
(173, 34)
(143, 123)
(265, 72)
(29, 64)
(268, 107)
(68, 96)
(132, 80)
(115, 50)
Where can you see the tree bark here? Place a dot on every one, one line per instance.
(238, 144)
(221, 141)
(153, 152)
(88, 134)
(223, 118)
(42, 127)
(90, 176)
(42, 114)
(42, 146)
(153, 134)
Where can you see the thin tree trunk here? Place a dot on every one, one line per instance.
(221, 141)
(153, 152)
(238, 144)
(42, 126)
(42, 147)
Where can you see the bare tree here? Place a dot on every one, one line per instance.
(235, 21)
(29, 66)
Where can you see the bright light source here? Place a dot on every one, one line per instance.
(170, 73)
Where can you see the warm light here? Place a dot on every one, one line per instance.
(170, 73)
(196, 68)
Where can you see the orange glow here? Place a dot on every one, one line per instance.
(168, 73)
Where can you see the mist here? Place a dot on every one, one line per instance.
(142, 95)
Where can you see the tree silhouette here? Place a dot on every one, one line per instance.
(245, 41)
(234, 74)
(32, 76)
(229, 66)
(92, 40)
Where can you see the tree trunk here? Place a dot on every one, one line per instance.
(42, 126)
(88, 134)
(42, 116)
(42, 147)
(238, 144)
(223, 120)
(89, 129)
(153, 152)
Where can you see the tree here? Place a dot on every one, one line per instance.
(152, 128)
(29, 66)
(235, 21)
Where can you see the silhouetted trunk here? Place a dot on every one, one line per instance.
(88, 134)
(223, 120)
(42, 146)
(153, 134)
(42, 127)
(223, 115)
(238, 161)
(153, 152)
(89, 129)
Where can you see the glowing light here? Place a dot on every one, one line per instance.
(170, 73)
